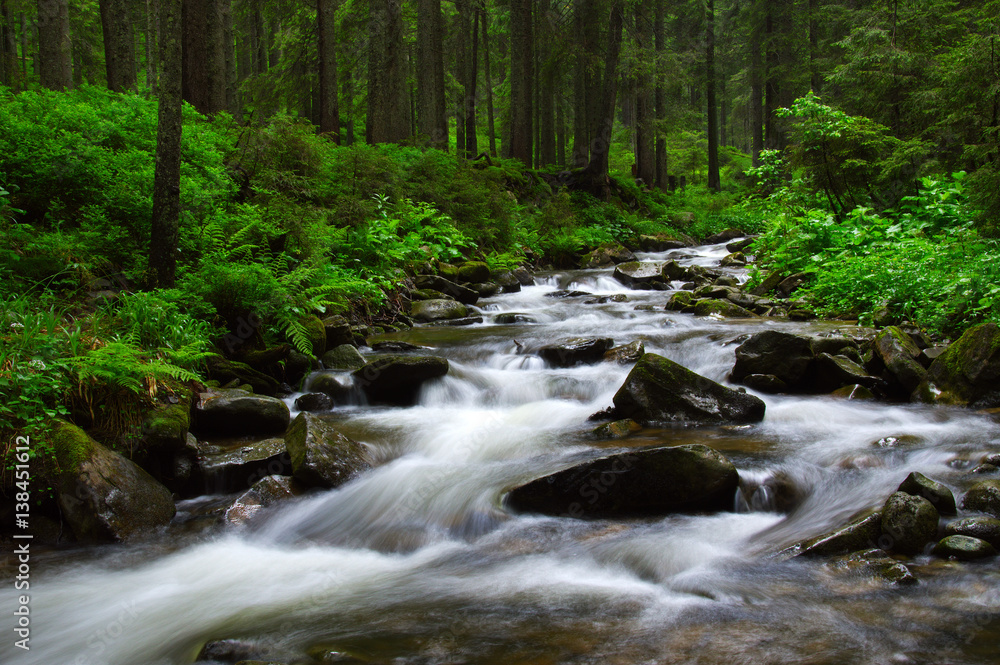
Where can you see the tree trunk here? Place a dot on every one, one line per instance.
(714, 182)
(546, 89)
(491, 126)
(152, 11)
(119, 50)
(432, 122)
(594, 178)
(756, 92)
(645, 102)
(329, 111)
(8, 47)
(229, 56)
(203, 55)
(662, 182)
(521, 80)
(388, 106)
(55, 49)
(469, 107)
(167, 174)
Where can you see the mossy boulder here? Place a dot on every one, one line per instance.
(578, 351)
(103, 496)
(978, 526)
(853, 393)
(314, 402)
(861, 533)
(473, 272)
(967, 372)
(328, 384)
(507, 281)
(226, 371)
(917, 484)
(315, 331)
(655, 481)
(320, 455)
(983, 497)
(338, 331)
(662, 242)
(635, 274)
(718, 307)
(397, 379)
(899, 353)
(682, 301)
(225, 468)
(427, 311)
(619, 429)
(607, 255)
(344, 357)
(774, 353)
(165, 428)
(910, 521)
(462, 294)
(235, 413)
(733, 259)
(769, 284)
(963, 548)
(658, 390)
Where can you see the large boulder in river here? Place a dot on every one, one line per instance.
(473, 272)
(940, 496)
(978, 526)
(343, 357)
(983, 497)
(460, 293)
(910, 521)
(103, 496)
(607, 255)
(779, 354)
(967, 372)
(660, 390)
(636, 274)
(237, 413)
(232, 468)
(899, 353)
(427, 311)
(576, 351)
(654, 481)
(861, 533)
(321, 456)
(396, 380)
(226, 371)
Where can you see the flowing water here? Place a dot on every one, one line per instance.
(418, 562)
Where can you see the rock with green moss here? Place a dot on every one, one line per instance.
(636, 274)
(878, 565)
(662, 242)
(917, 484)
(910, 522)
(855, 392)
(426, 311)
(264, 360)
(321, 456)
(899, 353)
(967, 372)
(619, 429)
(315, 331)
(473, 272)
(507, 281)
(860, 534)
(717, 307)
(297, 366)
(103, 496)
(165, 429)
(656, 481)
(338, 331)
(397, 379)
(963, 548)
(978, 526)
(983, 497)
(777, 353)
(226, 371)
(462, 294)
(235, 413)
(345, 358)
(658, 390)
(607, 255)
(682, 301)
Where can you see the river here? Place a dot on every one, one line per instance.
(418, 562)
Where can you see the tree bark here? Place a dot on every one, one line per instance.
(662, 181)
(329, 111)
(491, 120)
(521, 80)
(714, 182)
(8, 47)
(152, 46)
(546, 89)
(388, 106)
(167, 174)
(432, 122)
(645, 102)
(203, 55)
(119, 47)
(756, 92)
(55, 49)
(471, 78)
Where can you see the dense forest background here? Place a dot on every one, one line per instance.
(326, 149)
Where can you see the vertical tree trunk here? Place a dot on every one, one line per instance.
(662, 182)
(229, 56)
(203, 55)
(329, 111)
(119, 47)
(560, 129)
(491, 126)
(772, 83)
(815, 79)
(152, 12)
(714, 182)
(24, 48)
(167, 174)
(8, 47)
(432, 122)
(756, 92)
(469, 107)
(521, 79)
(546, 88)
(645, 102)
(594, 178)
(388, 106)
(581, 65)
(55, 49)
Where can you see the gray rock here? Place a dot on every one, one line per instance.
(343, 357)
(508, 318)
(983, 497)
(395, 346)
(226, 371)
(967, 372)
(524, 276)
(396, 380)
(791, 284)
(978, 526)
(877, 564)
(734, 259)
(460, 293)
(320, 455)
(654, 481)
(832, 372)
(265, 492)
(626, 353)
(485, 289)
(714, 306)
(576, 351)
(917, 484)
(338, 331)
(779, 354)
(463, 321)
(234, 468)
(235, 413)
(963, 548)
(329, 385)
(507, 280)
(911, 522)
(607, 255)
(898, 351)
(425, 311)
(635, 273)
(660, 390)
(853, 392)
(765, 383)
(314, 402)
(861, 533)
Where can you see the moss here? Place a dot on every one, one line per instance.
(722, 308)
(167, 426)
(71, 446)
(316, 332)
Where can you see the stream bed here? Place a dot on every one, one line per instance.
(418, 561)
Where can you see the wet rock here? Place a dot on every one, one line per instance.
(508, 318)
(627, 353)
(329, 385)
(297, 366)
(315, 332)
(660, 243)
(428, 294)
(878, 565)
(265, 492)
(462, 294)
(853, 392)
(979, 526)
(769, 284)
(898, 352)
(576, 351)
(563, 293)
(724, 236)
(993, 459)
(226, 371)
(682, 301)
(463, 321)
(165, 429)
(338, 331)
(735, 259)
(832, 372)
(485, 289)
(234, 468)
(607, 255)
(635, 273)
(963, 548)
(507, 280)
(724, 308)
(103, 496)
(344, 357)
(473, 272)
(321, 456)
(917, 484)
(986, 469)
(264, 360)
(395, 346)
(235, 413)
(426, 311)
(660, 390)
(983, 497)
(765, 383)
(930, 354)
(233, 651)
(619, 429)
(967, 372)
(791, 284)
(860, 534)
(524, 277)
(314, 402)
(835, 344)
(396, 380)
(654, 481)
(910, 521)
(671, 271)
(740, 245)
(779, 354)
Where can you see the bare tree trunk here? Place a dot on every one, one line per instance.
(329, 111)
(203, 55)
(469, 107)
(756, 92)
(491, 127)
(432, 122)
(55, 49)
(8, 47)
(152, 11)
(119, 49)
(521, 80)
(662, 182)
(167, 174)
(546, 90)
(645, 106)
(714, 182)
(388, 107)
